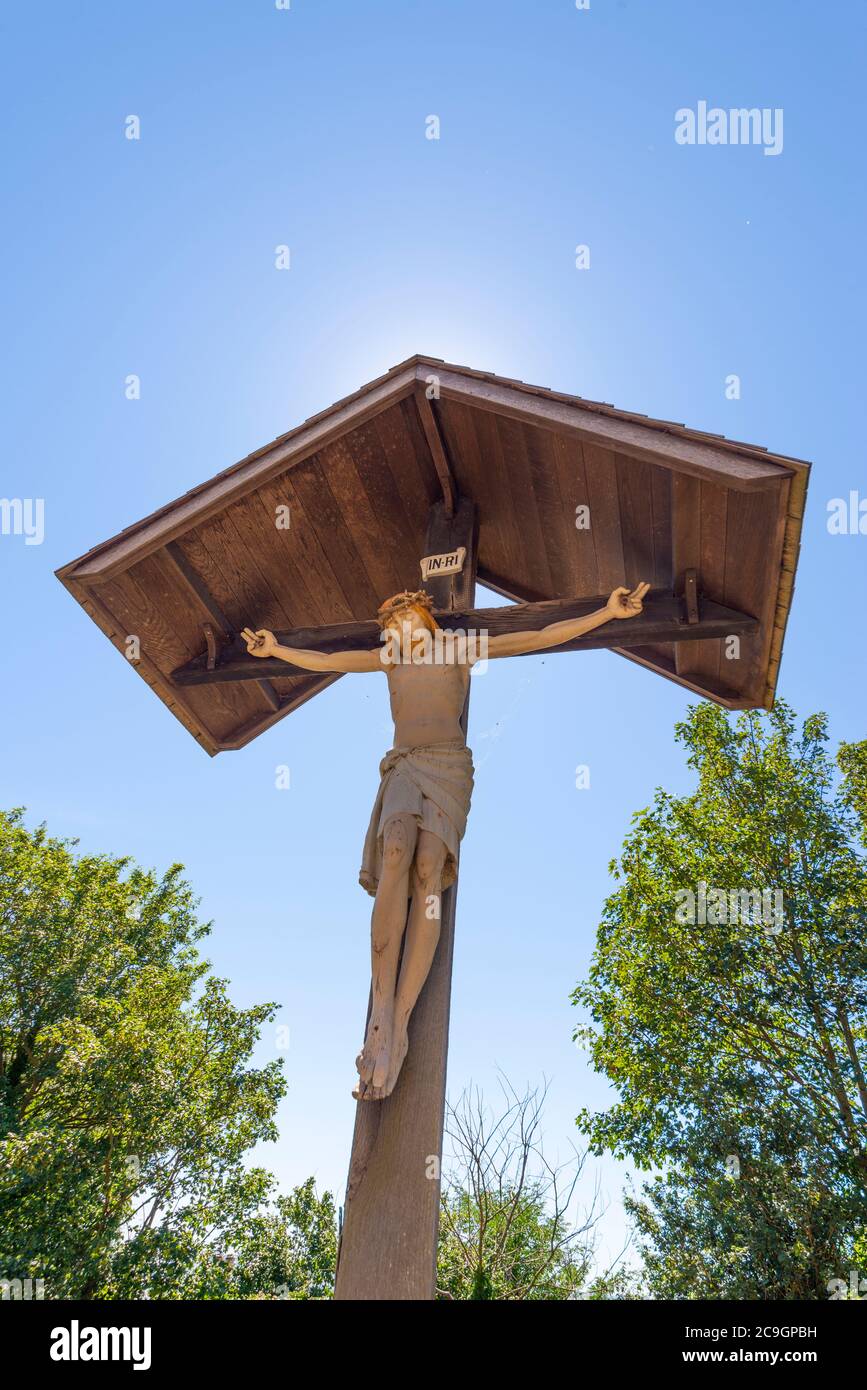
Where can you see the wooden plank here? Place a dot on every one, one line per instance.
(196, 506)
(270, 694)
(636, 519)
(601, 472)
(495, 496)
(447, 532)
(394, 530)
(690, 596)
(305, 569)
(421, 456)
(428, 367)
(399, 445)
(154, 604)
(233, 550)
(556, 517)
(699, 520)
(754, 540)
(342, 477)
(437, 450)
(710, 657)
(724, 533)
(685, 528)
(150, 603)
(198, 589)
(388, 1244)
(569, 462)
(498, 543)
(162, 584)
(235, 555)
(652, 659)
(714, 522)
(261, 549)
(649, 443)
(334, 538)
(660, 505)
(691, 661)
(178, 702)
(526, 485)
(661, 621)
(200, 559)
(303, 690)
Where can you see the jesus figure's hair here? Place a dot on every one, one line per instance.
(399, 604)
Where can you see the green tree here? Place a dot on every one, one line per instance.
(616, 1285)
(738, 1043)
(242, 1241)
(292, 1250)
(127, 1098)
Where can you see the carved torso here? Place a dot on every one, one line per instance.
(427, 702)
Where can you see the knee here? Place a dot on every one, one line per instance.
(428, 868)
(396, 848)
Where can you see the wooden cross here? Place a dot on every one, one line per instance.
(666, 618)
(391, 1216)
(389, 1237)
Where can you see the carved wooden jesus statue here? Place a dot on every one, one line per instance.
(426, 780)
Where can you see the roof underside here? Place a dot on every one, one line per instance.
(359, 480)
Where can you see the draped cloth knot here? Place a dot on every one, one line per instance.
(433, 783)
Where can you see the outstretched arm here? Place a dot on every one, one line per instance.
(264, 643)
(622, 604)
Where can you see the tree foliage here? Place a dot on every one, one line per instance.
(127, 1096)
(738, 1045)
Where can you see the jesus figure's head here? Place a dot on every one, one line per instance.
(407, 622)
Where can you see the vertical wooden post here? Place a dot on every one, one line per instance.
(391, 1217)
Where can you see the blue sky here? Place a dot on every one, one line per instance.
(261, 127)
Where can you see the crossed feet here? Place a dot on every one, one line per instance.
(382, 1056)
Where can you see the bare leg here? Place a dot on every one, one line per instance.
(422, 935)
(386, 933)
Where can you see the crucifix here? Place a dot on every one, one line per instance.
(420, 814)
(410, 860)
(252, 593)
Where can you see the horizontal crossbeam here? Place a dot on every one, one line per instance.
(664, 619)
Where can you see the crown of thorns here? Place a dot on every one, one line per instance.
(398, 602)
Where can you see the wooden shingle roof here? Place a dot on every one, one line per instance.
(356, 483)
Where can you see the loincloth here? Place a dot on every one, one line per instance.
(433, 783)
